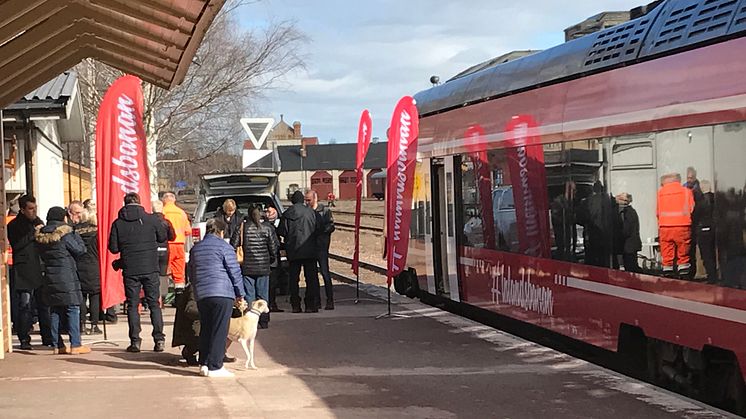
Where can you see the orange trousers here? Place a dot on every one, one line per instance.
(675, 244)
(177, 263)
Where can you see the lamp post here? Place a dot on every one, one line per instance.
(303, 154)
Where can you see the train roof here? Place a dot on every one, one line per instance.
(672, 26)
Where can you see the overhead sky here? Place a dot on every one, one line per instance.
(367, 54)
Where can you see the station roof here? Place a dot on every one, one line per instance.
(330, 157)
(152, 39)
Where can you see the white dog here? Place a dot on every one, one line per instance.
(243, 329)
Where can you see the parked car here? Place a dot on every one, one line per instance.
(247, 189)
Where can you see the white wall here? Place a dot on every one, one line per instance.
(48, 173)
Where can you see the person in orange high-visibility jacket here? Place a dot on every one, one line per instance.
(8, 250)
(176, 247)
(675, 207)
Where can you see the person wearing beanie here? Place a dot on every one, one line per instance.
(629, 240)
(58, 246)
(299, 228)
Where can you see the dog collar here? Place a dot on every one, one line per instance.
(257, 312)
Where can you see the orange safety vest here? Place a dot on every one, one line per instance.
(8, 250)
(179, 221)
(675, 205)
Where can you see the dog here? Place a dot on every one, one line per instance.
(243, 329)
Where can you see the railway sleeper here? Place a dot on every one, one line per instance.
(712, 375)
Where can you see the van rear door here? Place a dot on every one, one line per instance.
(219, 184)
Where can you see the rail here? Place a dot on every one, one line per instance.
(365, 265)
(351, 226)
(362, 214)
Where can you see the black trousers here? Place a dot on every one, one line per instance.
(693, 253)
(93, 307)
(150, 283)
(27, 302)
(706, 243)
(214, 318)
(630, 262)
(312, 282)
(326, 275)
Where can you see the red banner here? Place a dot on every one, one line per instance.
(121, 168)
(474, 137)
(364, 133)
(402, 156)
(526, 164)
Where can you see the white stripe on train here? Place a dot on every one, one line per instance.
(680, 304)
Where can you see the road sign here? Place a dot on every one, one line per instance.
(258, 130)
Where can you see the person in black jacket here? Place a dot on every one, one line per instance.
(275, 271)
(186, 325)
(59, 245)
(28, 273)
(705, 230)
(598, 216)
(136, 234)
(232, 217)
(299, 228)
(323, 240)
(259, 253)
(629, 233)
(90, 278)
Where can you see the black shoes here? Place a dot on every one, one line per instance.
(134, 347)
(329, 305)
(227, 359)
(26, 346)
(312, 310)
(296, 309)
(96, 331)
(159, 346)
(274, 309)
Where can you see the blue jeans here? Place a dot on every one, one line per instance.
(71, 316)
(256, 287)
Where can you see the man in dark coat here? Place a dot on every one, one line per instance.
(705, 230)
(323, 240)
(597, 215)
(136, 234)
(299, 228)
(28, 273)
(186, 325)
(88, 272)
(629, 233)
(58, 246)
(275, 268)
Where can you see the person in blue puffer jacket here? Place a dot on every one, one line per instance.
(218, 283)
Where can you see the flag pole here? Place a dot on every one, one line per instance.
(105, 340)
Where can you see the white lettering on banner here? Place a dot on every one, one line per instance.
(520, 292)
(529, 206)
(401, 180)
(128, 178)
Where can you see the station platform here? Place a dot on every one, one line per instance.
(337, 364)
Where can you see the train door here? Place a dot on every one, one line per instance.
(445, 251)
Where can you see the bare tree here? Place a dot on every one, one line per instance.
(229, 74)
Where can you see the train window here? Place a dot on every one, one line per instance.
(597, 202)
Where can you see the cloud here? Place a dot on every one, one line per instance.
(369, 54)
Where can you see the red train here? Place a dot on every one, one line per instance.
(510, 154)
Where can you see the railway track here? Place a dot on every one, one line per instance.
(351, 227)
(362, 214)
(365, 265)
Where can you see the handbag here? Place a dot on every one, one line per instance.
(239, 250)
